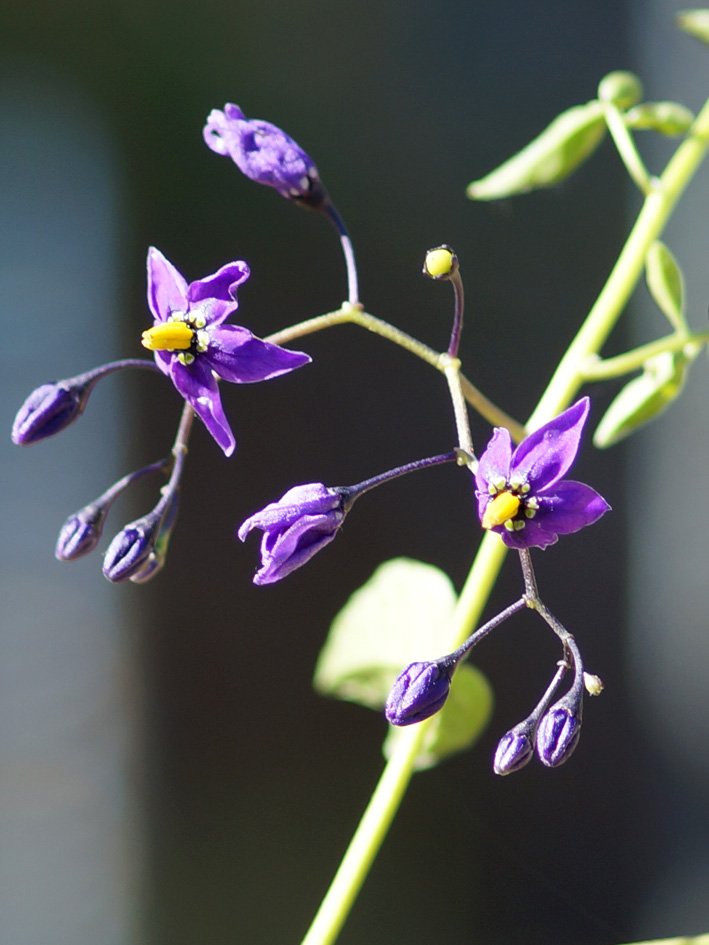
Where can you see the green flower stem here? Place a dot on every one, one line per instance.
(354, 314)
(623, 140)
(462, 421)
(564, 384)
(600, 369)
(387, 796)
(656, 211)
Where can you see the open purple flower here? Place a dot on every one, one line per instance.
(521, 494)
(265, 154)
(192, 344)
(296, 527)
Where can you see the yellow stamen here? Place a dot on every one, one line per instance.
(502, 508)
(168, 336)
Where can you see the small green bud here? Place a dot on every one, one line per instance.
(666, 283)
(549, 158)
(623, 89)
(669, 118)
(696, 23)
(645, 397)
(440, 263)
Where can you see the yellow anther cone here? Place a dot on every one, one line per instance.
(168, 336)
(502, 508)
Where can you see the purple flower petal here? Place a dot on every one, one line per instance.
(220, 285)
(547, 453)
(570, 506)
(533, 535)
(197, 385)
(495, 461)
(167, 289)
(239, 357)
(281, 554)
(311, 499)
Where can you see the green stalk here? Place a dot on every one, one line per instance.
(561, 390)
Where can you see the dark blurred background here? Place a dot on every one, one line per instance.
(170, 777)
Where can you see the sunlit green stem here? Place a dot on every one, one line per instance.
(623, 140)
(564, 384)
(655, 213)
(600, 369)
(354, 314)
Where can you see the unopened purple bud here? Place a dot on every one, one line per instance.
(515, 749)
(48, 410)
(80, 533)
(420, 691)
(130, 549)
(266, 154)
(559, 731)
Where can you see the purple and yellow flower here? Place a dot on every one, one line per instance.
(296, 527)
(522, 494)
(192, 344)
(265, 154)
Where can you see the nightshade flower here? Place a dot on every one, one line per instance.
(521, 494)
(419, 691)
(296, 527)
(265, 154)
(515, 748)
(559, 730)
(51, 408)
(192, 344)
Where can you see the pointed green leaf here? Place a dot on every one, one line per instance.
(458, 725)
(695, 22)
(398, 616)
(645, 397)
(666, 283)
(669, 118)
(549, 158)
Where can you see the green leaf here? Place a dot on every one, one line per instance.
(666, 283)
(458, 725)
(669, 118)
(398, 616)
(695, 22)
(645, 397)
(548, 159)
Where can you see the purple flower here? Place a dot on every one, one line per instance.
(559, 730)
(296, 527)
(516, 748)
(521, 494)
(419, 692)
(192, 344)
(50, 409)
(265, 154)
(81, 532)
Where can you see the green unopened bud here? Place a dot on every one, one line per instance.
(623, 89)
(666, 283)
(440, 263)
(669, 118)
(696, 23)
(645, 397)
(563, 145)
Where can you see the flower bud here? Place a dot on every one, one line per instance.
(130, 549)
(80, 533)
(49, 409)
(515, 749)
(420, 691)
(265, 154)
(440, 263)
(559, 730)
(622, 88)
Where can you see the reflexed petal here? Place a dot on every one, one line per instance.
(198, 386)
(220, 285)
(547, 453)
(571, 506)
(237, 356)
(293, 548)
(164, 360)
(217, 131)
(167, 289)
(531, 536)
(495, 461)
(313, 499)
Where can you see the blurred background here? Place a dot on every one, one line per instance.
(167, 775)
